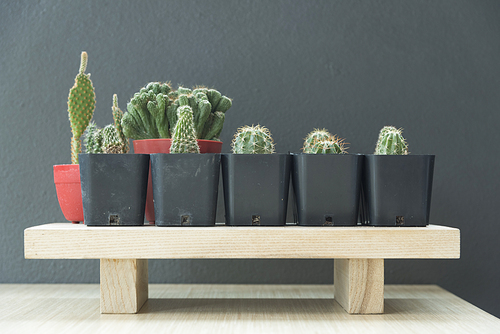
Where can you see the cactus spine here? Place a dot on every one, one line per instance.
(253, 140)
(81, 105)
(153, 111)
(322, 142)
(391, 142)
(184, 137)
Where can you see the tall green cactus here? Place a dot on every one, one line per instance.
(253, 140)
(323, 142)
(391, 142)
(81, 105)
(184, 137)
(153, 111)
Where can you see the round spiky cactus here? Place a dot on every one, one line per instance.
(184, 137)
(391, 142)
(81, 105)
(323, 142)
(253, 140)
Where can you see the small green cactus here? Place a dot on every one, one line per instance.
(391, 142)
(323, 142)
(253, 140)
(184, 137)
(81, 105)
(109, 140)
(153, 111)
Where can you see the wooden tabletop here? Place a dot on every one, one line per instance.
(65, 308)
(78, 241)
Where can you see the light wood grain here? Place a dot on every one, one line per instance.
(290, 309)
(124, 285)
(359, 285)
(78, 241)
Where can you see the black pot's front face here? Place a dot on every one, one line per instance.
(327, 188)
(114, 188)
(256, 188)
(397, 189)
(185, 188)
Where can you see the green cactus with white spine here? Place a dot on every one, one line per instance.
(81, 105)
(153, 111)
(323, 142)
(253, 140)
(391, 142)
(111, 139)
(184, 137)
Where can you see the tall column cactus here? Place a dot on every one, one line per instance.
(117, 118)
(81, 105)
(253, 140)
(391, 142)
(184, 136)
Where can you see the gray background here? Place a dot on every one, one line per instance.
(431, 67)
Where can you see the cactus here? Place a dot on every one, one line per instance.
(391, 142)
(322, 142)
(81, 105)
(153, 111)
(253, 140)
(109, 140)
(184, 137)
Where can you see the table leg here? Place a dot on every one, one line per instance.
(124, 285)
(358, 285)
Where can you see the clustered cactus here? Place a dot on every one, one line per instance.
(322, 142)
(184, 136)
(391, 142)
(81, 105)
(253, 140)
(153, 111)
(110, 139)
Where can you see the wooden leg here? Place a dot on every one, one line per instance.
(358, 285)
(124, 285)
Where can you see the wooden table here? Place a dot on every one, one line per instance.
(359, 253)
(69, 308)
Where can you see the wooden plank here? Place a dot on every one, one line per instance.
(222, 309)
(124, 285)
(359, 285)
(78, 241)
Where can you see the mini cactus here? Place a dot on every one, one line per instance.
(81, 105)
(322, 142)
(184, 137)
(391, 142)
(109, 140)
(153, 111)
(253, 140)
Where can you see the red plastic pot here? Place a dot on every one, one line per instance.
(69, 191)
(151, 146)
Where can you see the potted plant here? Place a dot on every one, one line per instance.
(397, 187)
(81, 105)
(185, 182)
(113, 182)
(255, 181)
(326, 181)
(152, 115)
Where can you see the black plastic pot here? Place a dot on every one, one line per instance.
(185, 188)
(114, 188)
(397, 189)
(256, 188)
(327, 188)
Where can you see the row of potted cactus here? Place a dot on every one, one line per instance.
(331, 187)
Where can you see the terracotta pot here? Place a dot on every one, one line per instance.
(69, 191)
(151, 146)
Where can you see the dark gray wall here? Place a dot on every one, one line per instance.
(431, 67)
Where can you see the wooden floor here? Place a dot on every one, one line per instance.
(65, 308)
